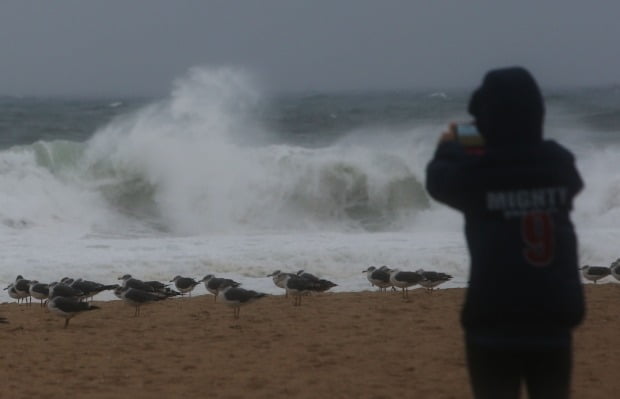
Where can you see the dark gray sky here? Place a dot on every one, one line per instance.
(140, 47)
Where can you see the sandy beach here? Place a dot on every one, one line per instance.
(339, 345)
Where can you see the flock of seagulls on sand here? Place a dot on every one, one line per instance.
(70, 297)
(384, 277)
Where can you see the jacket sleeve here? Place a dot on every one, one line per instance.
(448, 175)
(576, 184)
(566, 168)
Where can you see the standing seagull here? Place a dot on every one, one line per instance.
(214, 284)
(137, 298)
(595, 273)
(320, 284)
(39, 291)
(404, 280)
(68, 307)
(297, 287)
(22, 287)
(279, 279)
(378, 277)
(430, 279)
(13, 293)
(236, 297)
(184, 284)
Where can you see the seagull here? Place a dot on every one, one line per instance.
(184, 284)
(595, 273)
(90, 288)
(68, 307)
(22, 287)
(155, 287)
(137, 298)
(320, 284)
(404, 280)
(298, 286)
(279, 279)
(213, 284)
(236, 297)
(430, 279)
(13, 293)
(39, 291)
(378, 277)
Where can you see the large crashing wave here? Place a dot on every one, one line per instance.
(200, 162)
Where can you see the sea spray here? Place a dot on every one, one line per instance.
(198, 165)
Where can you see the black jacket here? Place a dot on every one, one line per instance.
(516, 198)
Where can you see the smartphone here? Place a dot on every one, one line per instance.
(467, 134)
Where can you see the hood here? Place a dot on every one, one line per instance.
(508, 108)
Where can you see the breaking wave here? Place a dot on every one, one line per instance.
(198, 162)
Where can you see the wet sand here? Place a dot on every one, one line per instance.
(344, 345)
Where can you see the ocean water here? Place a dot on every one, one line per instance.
(221, 178)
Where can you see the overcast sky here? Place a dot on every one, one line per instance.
(50, 47)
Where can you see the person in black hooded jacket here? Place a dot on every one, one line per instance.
(516, 192)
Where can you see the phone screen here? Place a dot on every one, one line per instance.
(467, 134)
(466, 130)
